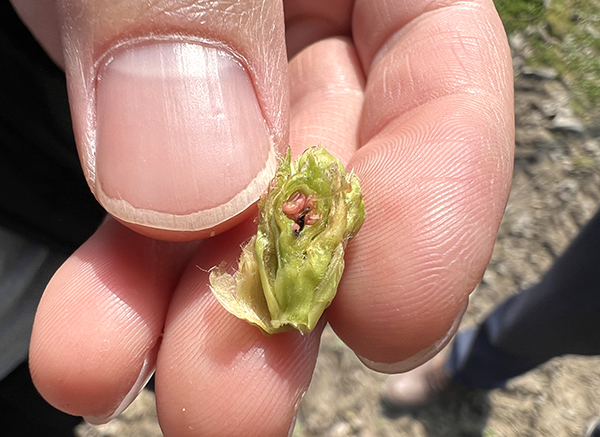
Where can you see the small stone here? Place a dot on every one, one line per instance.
(592, 31)
(536, 135)
(340, 429)
(523, 227)
(490, 277)
(568, 123)
(567, 190)
(545, 73)
(550, 108)
(557, 92)
(517, 41)
(592, 147)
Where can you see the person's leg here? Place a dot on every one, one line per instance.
(558, 316)
(24, 413)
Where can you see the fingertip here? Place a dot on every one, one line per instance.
(419, 358)
(100, 319)
(78, 363)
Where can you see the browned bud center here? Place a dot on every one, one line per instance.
(301, 209)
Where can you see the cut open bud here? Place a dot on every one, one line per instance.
(289, 271)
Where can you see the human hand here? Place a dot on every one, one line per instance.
(416, 97)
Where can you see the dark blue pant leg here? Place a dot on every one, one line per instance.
(558, 316)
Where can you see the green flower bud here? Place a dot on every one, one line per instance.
(289, 271)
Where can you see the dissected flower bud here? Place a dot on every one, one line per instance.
(289, 271)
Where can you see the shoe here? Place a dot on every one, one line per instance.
(592, 428)
(419, 386)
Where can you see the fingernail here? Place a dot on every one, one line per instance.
(181, 142)
(420, 357)
(143, 378)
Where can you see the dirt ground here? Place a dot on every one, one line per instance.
(556, 189)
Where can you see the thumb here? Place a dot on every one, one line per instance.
(178, 107)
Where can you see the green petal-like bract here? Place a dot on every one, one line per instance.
(290, 270)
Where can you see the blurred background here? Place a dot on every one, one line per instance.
(556, 188)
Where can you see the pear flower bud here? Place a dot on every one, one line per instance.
(289, 271)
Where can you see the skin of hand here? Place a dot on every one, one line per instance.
(180, 106)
